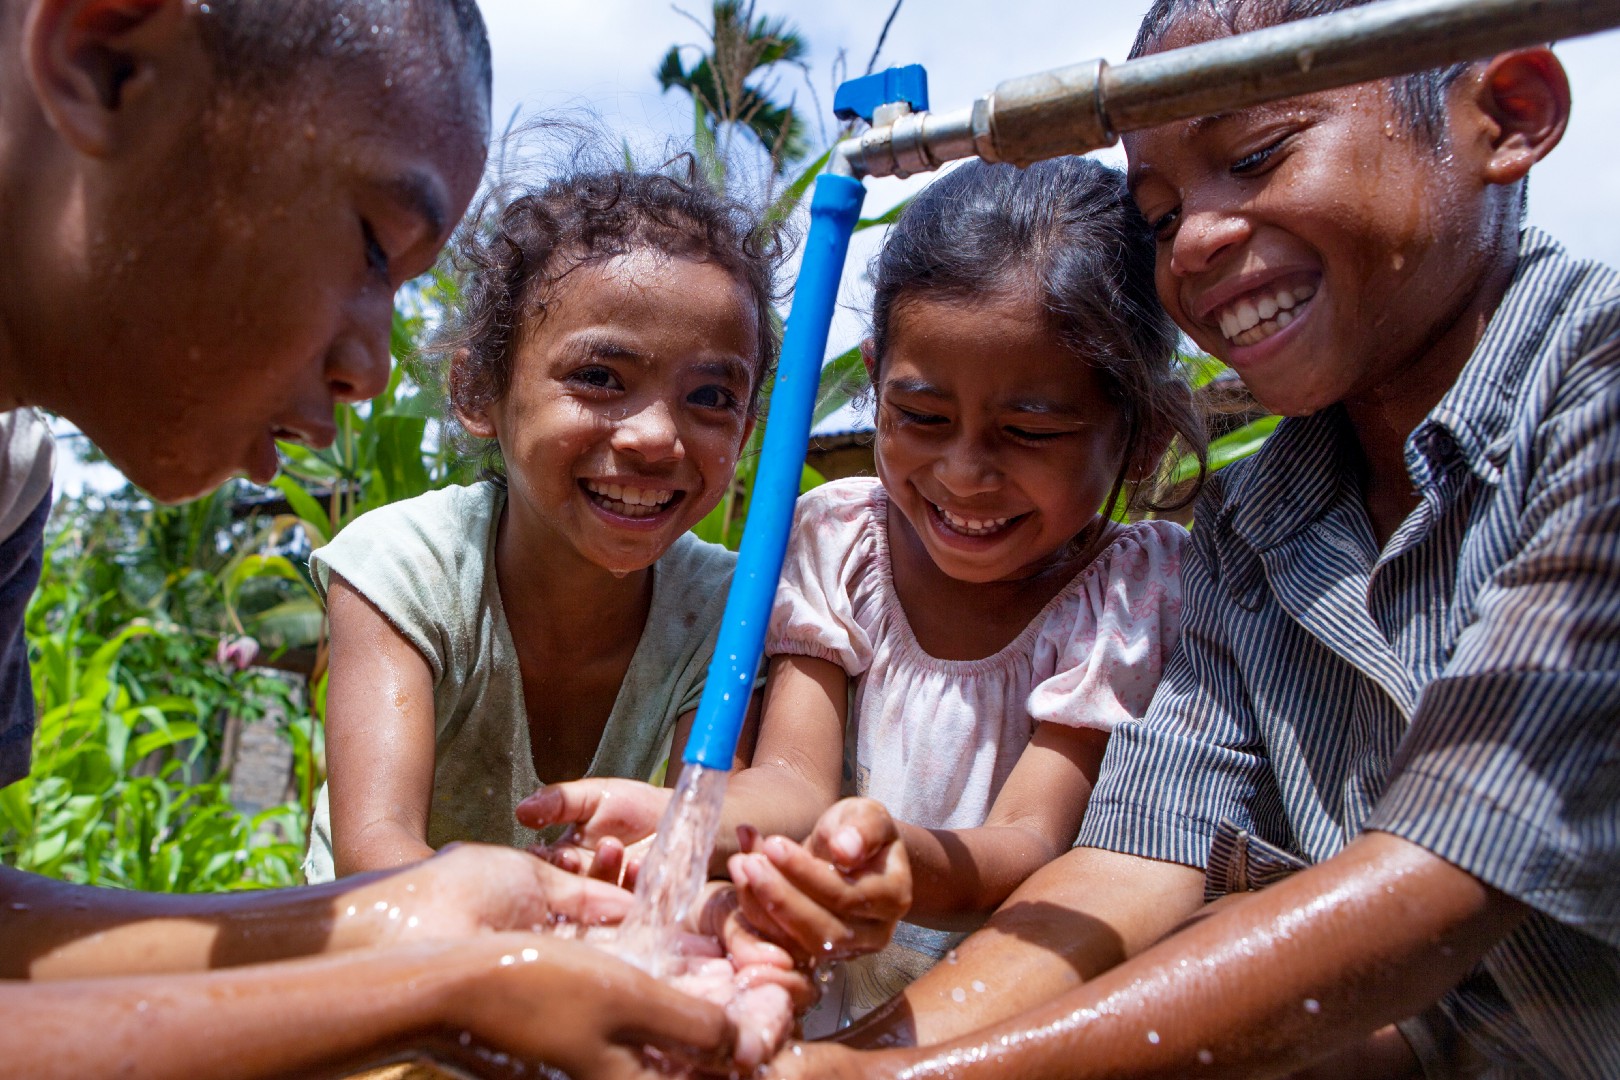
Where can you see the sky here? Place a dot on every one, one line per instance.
(593, 60)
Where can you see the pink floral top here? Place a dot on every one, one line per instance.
(934, 740)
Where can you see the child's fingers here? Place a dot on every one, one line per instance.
(784, 913)
(853, 832)
(608, 863)
(873, 893)
(575, 803)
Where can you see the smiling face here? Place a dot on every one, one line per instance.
(1317, 245)
(244, 273)
(995, 443)
(627, 406)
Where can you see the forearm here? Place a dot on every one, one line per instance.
(310, 1017)
(383, 844)
(777, 800)
(1304, 969)
(960, 875)
(54, 930)
(1073, 919)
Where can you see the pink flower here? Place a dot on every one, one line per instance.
(238, 653)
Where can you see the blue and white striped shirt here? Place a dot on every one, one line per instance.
(1459, 688)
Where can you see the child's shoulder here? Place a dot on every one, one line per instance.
(847, 500)
(450, 528)
(1142, 552)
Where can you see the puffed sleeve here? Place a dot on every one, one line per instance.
(1107, 650)
(828, 564)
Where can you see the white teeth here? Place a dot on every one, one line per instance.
(971, 526)
(1247, 316)
(1254, 319)
(630, 501)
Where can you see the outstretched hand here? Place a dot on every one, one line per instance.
(470, 889)
(837, 895)
(605, 816)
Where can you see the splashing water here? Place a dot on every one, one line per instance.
(674, 870)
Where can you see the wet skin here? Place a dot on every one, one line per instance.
(996, 446)
(1396, 295)
(249, 298)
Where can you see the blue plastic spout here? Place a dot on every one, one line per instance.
(834, 209)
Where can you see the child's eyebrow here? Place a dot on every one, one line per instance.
(910, 385)
(729, 368)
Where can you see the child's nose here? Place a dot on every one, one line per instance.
(1202, 238)
(649, 432)
(967, 469)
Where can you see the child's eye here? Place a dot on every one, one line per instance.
(908, 416)
(597, 377)
(712, 397)
(1251, 164)
(1025, 435)
(376, 257)
(1165, 224)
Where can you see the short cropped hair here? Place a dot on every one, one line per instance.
(257, 44)
(1420, 99)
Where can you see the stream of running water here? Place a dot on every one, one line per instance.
(674, 870)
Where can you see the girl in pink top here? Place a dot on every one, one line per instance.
(956, 638)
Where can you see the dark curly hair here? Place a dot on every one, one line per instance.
(510, 259)
(1069, 229)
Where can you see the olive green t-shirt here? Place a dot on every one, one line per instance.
(428, 564)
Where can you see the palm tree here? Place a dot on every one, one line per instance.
(741, 45)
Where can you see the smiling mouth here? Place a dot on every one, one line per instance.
(631, 502)
(971, 526)
(1256, 316)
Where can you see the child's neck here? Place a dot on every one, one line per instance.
(964, 620)
(1384, 418)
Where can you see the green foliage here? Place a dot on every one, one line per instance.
(111, 799)
(740, 47)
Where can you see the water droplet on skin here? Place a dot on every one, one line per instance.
(393, 913)
(1313, 1006)
(381, 905)
(410, 888)
(1205, 1057)
(1153, 1037)
(413, 922)
(508, 960)
(958, 995)
(950, 957)
(350, 912)
(979, 987)
(826, 946)
(531, 955)
(465, 1039)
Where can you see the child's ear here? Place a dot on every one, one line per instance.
(476, 421)
(1524, 95)
(89, 60)
(869, 358)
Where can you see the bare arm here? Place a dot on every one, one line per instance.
(1308, 967)
(1070, 921)
(327, 1015)
(794, 776)
(379, 738)
(960, 874)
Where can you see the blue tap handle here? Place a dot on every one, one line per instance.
(834, 209)
(861, 97)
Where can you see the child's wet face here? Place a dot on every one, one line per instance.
(1317, 245)
(257, 290)
(628, 405)
(995, 442)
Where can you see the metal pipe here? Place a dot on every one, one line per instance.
(1083, 107)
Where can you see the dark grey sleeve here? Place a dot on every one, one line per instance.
(21, 555)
